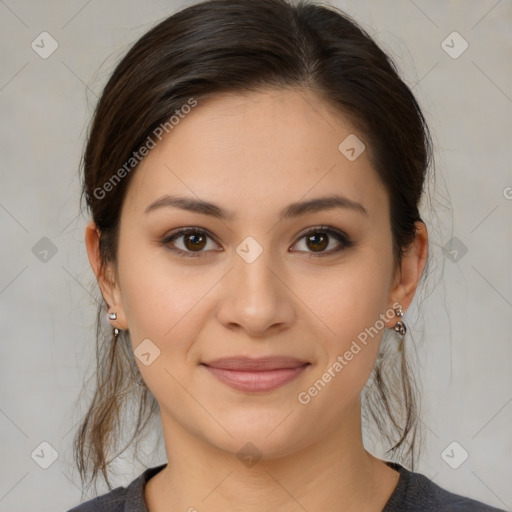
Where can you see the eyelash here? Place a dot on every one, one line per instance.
(341, 237)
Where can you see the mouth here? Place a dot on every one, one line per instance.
(256, 375)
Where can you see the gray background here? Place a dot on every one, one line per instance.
(47, 308)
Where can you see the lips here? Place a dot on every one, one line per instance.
(255, 365)
(256, 375)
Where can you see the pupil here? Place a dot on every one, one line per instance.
(196, 241)
(321, 245)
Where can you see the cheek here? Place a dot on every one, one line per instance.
(161, 305)
(349, 299)
(351, 305)
(163, 302)
(349, 354)
(153, 291)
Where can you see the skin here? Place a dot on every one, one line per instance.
(253, 155)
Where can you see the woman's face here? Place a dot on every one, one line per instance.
(252, 283)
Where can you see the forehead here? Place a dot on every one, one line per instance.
(257, 150)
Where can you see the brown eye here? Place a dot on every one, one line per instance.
(194, 241)
(317, 240)
(190, 242)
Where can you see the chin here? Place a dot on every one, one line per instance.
(267, 440)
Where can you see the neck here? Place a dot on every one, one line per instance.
(335, 473)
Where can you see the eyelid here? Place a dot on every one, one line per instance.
(185, 231)
(344, 240)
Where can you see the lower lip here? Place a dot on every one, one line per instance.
(256, 380)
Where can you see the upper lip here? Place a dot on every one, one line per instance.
(243, 363)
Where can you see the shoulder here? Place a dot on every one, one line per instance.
(416, 492)
(114, 501)
(121, 499)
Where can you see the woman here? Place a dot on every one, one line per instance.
(254, 172)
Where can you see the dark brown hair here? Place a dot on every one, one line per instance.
(239, 46)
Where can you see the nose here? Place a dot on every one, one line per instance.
(256, 299)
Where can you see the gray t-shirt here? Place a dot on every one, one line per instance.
(414, 492)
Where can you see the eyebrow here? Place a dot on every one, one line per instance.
(290, 211)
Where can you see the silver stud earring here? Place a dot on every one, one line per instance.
(400, 326)
(112, 316)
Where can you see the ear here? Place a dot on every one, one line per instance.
(410, 271)
(105, 276)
